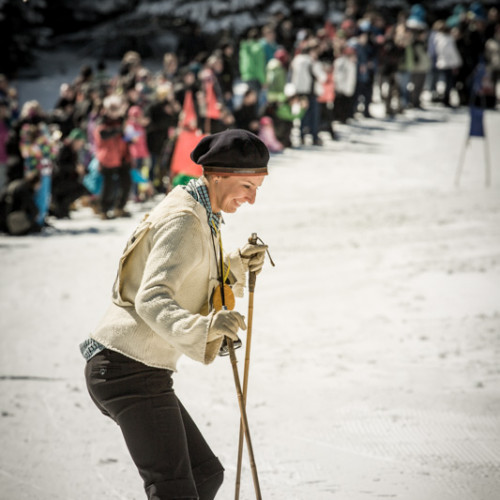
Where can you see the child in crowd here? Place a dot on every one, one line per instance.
(135, 133)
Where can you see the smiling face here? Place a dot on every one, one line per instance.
(227, 194)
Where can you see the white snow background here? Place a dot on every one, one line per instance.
(374, 369)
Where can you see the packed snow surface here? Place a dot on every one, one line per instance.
(374, 368)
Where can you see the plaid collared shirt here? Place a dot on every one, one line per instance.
(199, 191)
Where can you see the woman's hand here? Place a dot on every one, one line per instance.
(226, 324)
(253, 256)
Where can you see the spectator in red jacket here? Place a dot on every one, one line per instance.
(112, 152)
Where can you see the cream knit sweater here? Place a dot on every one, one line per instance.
(166, 276)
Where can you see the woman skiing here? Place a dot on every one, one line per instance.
(165, 304)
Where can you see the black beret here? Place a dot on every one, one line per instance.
(232, 152)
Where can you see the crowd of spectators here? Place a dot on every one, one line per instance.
(111, 138)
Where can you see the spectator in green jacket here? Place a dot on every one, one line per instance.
(252, 63)
(276, 76)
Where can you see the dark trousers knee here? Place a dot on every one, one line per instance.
(209, 488)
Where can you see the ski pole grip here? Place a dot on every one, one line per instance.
(252, 277)
(253, 239)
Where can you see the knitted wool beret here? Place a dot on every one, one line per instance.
(232, 152)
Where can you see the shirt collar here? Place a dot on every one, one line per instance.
(199, 191)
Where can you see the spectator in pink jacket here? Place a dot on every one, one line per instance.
(135, 134)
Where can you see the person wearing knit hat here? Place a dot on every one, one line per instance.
(173, 279)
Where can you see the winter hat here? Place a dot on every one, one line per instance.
(365, 26)
(76, 134)
(164, 91)
(114, 104)
(347, 24)
(477, 11)
(349, 49)
(457, 16)
(416, 19)
(134, 112)
(282, 56)
(232, 152)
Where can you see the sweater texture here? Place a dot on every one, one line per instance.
(161, 307)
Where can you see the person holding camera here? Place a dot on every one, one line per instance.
(113, 155)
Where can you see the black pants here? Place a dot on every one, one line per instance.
(116, 184)
(310, 120)
(168, 449)
(418, 80)
(343, 107)
(63, 196)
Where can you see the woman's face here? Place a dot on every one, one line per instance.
(227, 194)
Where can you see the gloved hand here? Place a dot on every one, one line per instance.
(226, 324)
(254, 256)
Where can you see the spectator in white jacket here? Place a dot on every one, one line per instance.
(344, 77)
(307, 75)
(448, 59)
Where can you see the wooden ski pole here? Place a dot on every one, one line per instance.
(237, 384)
(244, 420)
(252, 278)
